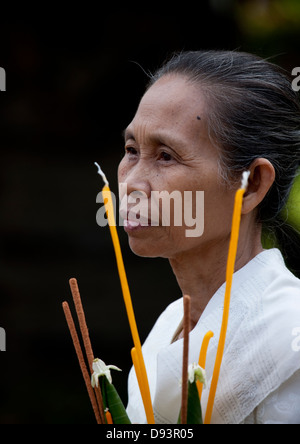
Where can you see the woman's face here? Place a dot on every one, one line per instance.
(167, 148)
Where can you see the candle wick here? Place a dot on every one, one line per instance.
(101, 173)
(245, 179)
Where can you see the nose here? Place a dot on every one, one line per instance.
(137, 179)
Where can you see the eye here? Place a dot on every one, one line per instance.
(130, 151)
(166, 157)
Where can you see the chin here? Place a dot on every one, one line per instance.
(144, 248)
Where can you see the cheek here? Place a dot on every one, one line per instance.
(218, 212)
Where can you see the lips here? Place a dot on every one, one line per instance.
(138, 211)
(134, 219)
(131, 224)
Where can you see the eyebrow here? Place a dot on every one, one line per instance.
(125, 133)
(159, 137)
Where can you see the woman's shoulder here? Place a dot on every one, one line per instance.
(274, 314)
(269, 276)
(272, 295)
(282, 287)
(262, 350)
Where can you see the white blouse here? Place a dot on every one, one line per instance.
(259, 380)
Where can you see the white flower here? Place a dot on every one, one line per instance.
(196, 373)
(101, 369)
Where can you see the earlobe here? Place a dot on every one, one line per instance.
(262, 176)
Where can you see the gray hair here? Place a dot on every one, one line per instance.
(253, 112)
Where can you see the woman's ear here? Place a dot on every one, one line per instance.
(262, 176)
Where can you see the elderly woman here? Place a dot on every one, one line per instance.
(205, 118)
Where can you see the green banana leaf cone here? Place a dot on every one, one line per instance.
(113, 402)
(194, 411)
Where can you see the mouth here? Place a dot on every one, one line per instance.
(133, 221)
(134, 225)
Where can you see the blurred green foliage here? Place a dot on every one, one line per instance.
(264, 17)
(292, 210)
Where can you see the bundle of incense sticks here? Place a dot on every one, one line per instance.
(87, 370)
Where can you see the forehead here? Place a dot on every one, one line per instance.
(171, 103)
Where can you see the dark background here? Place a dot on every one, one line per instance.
(74, 78)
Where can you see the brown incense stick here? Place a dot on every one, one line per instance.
(186, 331)
(100, 402)
(86, 338)
(82, 322)
(81, 360)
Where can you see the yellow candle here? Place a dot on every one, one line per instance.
(202, 358)
(137, 368)
(236, 220)
(108, 417)
(144, 387)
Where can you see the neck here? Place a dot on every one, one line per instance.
(202, 271)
